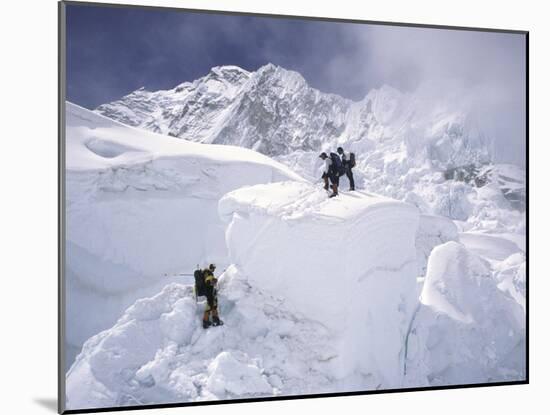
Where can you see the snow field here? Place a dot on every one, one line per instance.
(158, 352)
(141, 206)
(311, 324)
(348, 263)
(466, 328)
(308, 324)
(318, 295)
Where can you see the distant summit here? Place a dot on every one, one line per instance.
(274, 111)
(426, 147)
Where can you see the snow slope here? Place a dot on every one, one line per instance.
(139, 206)
(331, 261)
(332, 316)
(466, 330)
(432, 231)
(191, 110)
(275, 111)
(318, 295)
(427, 147)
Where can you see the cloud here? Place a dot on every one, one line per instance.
(112, 51)
(484, 71)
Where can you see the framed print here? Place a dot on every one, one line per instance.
(260, 207)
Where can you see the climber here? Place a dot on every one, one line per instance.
(348, 160)
(211, 298)
(331, 171)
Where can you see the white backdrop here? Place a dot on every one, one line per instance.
(28, 166)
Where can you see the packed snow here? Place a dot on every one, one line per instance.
(334, 314)
(141, 208)
(465, 324)
(416, 279)
(432, 231)
(330, 261)
(310, 324)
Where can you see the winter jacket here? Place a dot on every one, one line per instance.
(210, 287)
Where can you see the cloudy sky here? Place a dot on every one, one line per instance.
(113, 51)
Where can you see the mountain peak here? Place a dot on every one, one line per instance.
(274, 111)
(230, 73)
(228, 68)
(268, 67)
(280, 75)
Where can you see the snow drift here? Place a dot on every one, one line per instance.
(432, 231)
(139, 206)
(318, 298)
(466, 330)
(348, 263)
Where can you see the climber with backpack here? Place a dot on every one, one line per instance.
(206, 285)
(348, 160)
(332, 171)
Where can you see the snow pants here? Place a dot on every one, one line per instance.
(349, 174)
(211, 307)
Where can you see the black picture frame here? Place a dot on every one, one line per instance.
(62, 89)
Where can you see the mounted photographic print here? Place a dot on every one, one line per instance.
(258, 207)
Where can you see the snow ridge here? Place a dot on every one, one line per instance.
(275, 111)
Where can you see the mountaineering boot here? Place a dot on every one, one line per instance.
(206, 324)
(334, 191)
(216, 321)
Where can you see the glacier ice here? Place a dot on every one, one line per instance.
(305, 324)
(417, 279)
(140, 209)
(466, 330)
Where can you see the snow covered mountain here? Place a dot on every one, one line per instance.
(416, 279)
(425, 147)
(275, 112)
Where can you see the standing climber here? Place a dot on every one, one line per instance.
(332, 171)
(348, 160)
(211, 293)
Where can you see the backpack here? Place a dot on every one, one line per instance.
(337, 164)
(200, 285)
(352, 160)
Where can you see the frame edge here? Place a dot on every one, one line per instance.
(61, 74)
